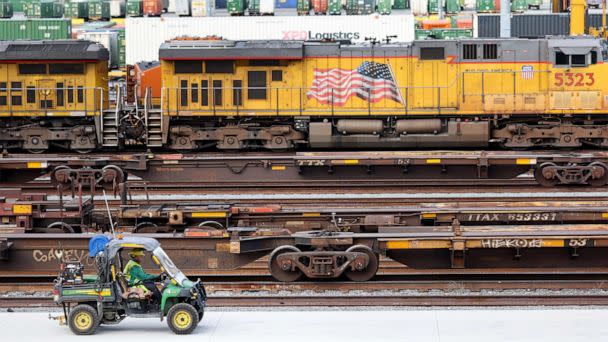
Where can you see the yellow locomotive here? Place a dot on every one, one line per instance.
(276, 95)
(52, 92)
(460, 93)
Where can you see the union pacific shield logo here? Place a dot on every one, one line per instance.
(527, 72)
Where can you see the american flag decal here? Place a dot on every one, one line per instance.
(371, 81)
(527, 72)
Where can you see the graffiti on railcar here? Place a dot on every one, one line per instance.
(56, 255)
(511, 243)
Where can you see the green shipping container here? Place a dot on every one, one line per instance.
(351, 7)
(519, 5)
(17, 5)
(453, 33)
(35, 29)
(76, 10)
(135, 8)
(421, 34)
(432, 6)
(122, 48)
(303, 7)
(452, 6)
(236, 7)
(484, 6)
(334, 7)
(43, 9)
(401, 4)
(99, 9)
(6, 10)
(254, 7)
(384, 6)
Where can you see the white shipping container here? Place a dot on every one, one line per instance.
(145, 35)
(420, 8)
(117, 8)
(107, 38)
(202, 8)
(469, 5)
(171, 8)
(182, 7)
(267, 7)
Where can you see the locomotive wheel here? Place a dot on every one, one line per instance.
(367, 273)
(541, 179)
(60, 227)
(35, 151)
(600, 181)
(83, 150)
(277, 271)
(146, 227)
(112, 173)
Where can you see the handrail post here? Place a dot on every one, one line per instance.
(332, 101)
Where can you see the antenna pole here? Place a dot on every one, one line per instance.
(105, 199)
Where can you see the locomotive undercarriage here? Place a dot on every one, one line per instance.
(80, 134)
(36, 136)
(271, 135)
(562, 134)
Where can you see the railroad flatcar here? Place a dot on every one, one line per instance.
(52, 92)
(520, 93)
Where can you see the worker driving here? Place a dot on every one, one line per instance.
(138, 278)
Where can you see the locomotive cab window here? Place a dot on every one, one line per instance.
(575, 59)
(432, 53)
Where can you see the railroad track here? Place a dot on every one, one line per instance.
(378, 293)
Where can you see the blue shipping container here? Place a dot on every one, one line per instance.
(220, 3)
(286, 3)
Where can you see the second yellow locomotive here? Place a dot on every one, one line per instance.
(52, 93)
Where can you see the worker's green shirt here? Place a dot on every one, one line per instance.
(135, 274)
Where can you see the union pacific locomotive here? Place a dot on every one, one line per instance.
(277, 95)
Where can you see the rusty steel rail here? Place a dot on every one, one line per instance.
(323, 167)
(361, 301)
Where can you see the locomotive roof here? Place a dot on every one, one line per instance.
(226, 49)
(52, 50)
(528, 49)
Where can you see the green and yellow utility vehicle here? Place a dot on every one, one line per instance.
(106, 298)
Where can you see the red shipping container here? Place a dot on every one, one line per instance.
(153, 7)
(429, 24)
(320, 6)
(496, 5)
(464, 23)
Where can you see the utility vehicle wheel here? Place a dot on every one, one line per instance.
(182, 318)
(83, 320)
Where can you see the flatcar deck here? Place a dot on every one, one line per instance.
(550, 168)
